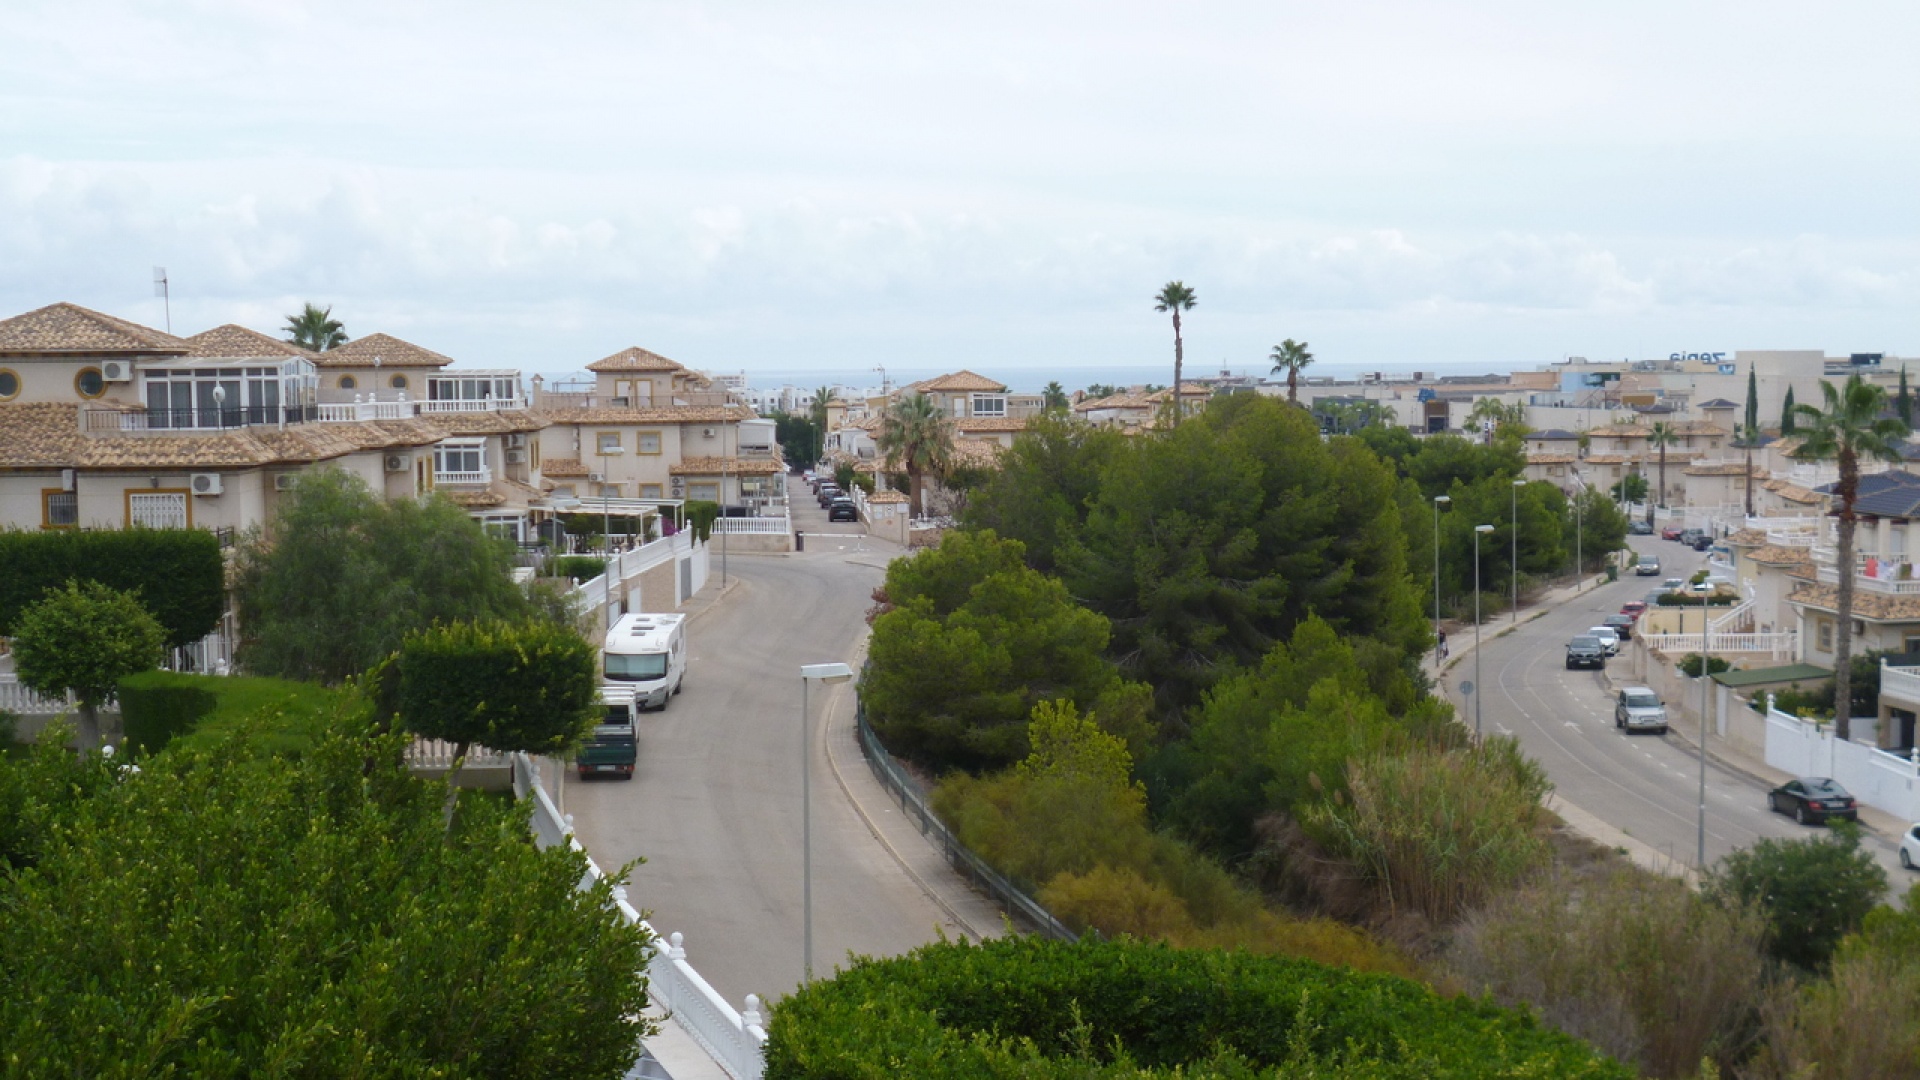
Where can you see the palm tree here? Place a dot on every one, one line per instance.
(315, 328)
(1662, 436)
(1850, 426)
(1055, 397)
(1174, 296)
(817, 409)
(1291, 356)
(917, 438)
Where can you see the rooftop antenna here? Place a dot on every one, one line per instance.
(160, 290)
(885, 387)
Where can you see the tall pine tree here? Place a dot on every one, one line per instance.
(1786, 415)
(1904, 403)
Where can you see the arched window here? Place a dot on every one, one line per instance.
(398, 382)
(89, 383)
(348, 382)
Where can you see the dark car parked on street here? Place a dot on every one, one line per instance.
(1813, 799)
(842, 510)
(1622, 624)
(1638, 527)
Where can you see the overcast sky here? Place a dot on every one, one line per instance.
(1001, 186)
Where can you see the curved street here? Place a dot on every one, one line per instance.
(1645, 785)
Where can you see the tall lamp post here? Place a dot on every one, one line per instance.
(1479, 689)
(1579, 564)
(1438, 501)
(1706, 678)
(1514, 558)
(810, 674)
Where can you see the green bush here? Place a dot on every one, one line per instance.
(1021, 1006)
(530, 687)
(179, 573)
(579, 567)
(1690, 666)
(1812, 892)
(221, 914)
(157, 705)
(1682, 600)
(700, 515)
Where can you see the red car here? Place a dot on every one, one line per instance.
(1635, 608)
(1672, 532)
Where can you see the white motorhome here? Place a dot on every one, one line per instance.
(648, 655)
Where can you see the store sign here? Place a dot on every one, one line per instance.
(1709, 357)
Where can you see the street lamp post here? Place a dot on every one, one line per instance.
(1579, 564)
(1479, 689)
(810, 674)
(1514, 558)
(1438, 501)
(1706, 678)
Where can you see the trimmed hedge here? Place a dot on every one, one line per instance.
(509, 686)
(157, 705)
(1681, 600)
(579, 567)
(179, 573)
(1026, 1007)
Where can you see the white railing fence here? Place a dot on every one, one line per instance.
(1902, 682)
(17, 699)
(1780, 645)
(759, 526)
(366, 410)
(733, 1038)
(439, 754)
(1881, 780)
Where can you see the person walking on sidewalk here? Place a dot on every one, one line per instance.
(1443, 644)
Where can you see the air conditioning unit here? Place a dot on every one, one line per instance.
(206, 483)
(116, 371)
(593, 478)
(707, 433)
(516, 440)
(284, 481)
(516, 457)
(678, 485)
(397, 463)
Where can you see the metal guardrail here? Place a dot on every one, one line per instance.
(913, 801)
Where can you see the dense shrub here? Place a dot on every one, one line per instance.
(84, 637)
(1690, 665)
(528, 687)
(1639, 965)
(1031, 1008)
(38, 787)
(579, 567)
(224, 915)
(700, 514)
(178, 573)
(1440, 830)
(1683, 600)
(157, 705)
(1812, 892)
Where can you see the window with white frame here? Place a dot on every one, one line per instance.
(607, 442)
(989, 405)
(456, 460)
(510, 526)
(215, 397)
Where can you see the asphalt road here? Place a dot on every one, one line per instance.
(714, 806)
(1646, 785)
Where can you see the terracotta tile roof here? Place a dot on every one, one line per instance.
(1117, 401)
(980, 453)
(485, 496)
(562, 467)
(1747, 538)
(70, 328)
(888, 496)
(1539, 458)
(1621, 431)
(1610, 459)
(1792, 492)
(635, 359)
(1699, 427)
(485, 423)
(959, 382)
(1879, 607)
(501, 491)
(655, 414)
(732, 466)
(1187, 390)
(1782, 556)
(990, 423)
(47, 435)
(392, 352)
(232, 341)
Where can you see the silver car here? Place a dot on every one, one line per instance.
(1638, 708)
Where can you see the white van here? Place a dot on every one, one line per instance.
(647, 654)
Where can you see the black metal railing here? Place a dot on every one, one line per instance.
(195, 419)
(1011, 898)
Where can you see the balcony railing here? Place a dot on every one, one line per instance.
(366, 410)
(462, 405)
(1901, 682)
(463, 479)
(95, 420)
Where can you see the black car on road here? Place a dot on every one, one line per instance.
(1586, 651)
(1812, 800)
(843, 510)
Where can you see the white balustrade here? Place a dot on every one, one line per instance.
(16, 698)
(1901, 682)
(479, 478)
(1780, 645)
